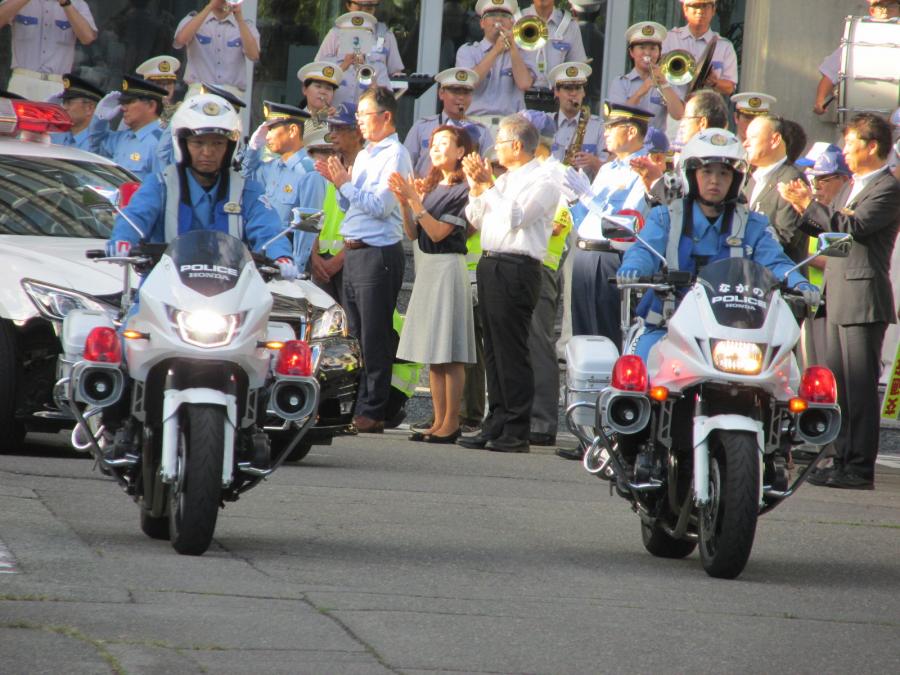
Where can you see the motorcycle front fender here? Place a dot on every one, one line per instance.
(173, 399)
(703, 427)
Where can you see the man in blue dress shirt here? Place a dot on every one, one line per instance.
(290, 180)
(374, 259)
(79, 99)
(134, 148)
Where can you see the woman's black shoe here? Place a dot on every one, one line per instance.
(449, 438)
(419, 436)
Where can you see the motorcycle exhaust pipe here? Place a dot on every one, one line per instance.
(295, 398)
(627, 413)
(98, 385)
(819, 425)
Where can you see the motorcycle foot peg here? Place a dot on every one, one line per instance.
(261, 457)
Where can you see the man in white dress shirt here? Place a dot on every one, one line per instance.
(515, 216)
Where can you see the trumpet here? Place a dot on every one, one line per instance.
(530, 33)
(365, 75)
(679, 67)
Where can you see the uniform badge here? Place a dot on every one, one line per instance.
(754, 102)
(165, 66)
(847, 211)
(572, 71)
(647, 30)
(462, 75)
(328, 71)
(231, 207)
(357, 21)
(135, 157)
(211, 108)
(719, 139)
(124, 85)
(733, 241)
(288, 188)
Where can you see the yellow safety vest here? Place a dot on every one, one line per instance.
(557, 243)
(404, 375)
(330, 239)
(473, 250)
(816, 276)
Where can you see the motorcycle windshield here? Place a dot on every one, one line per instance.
(208, 262)
(739, 291)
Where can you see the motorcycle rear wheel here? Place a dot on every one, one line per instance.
(195, 496)
(661, 545)
(728, 522)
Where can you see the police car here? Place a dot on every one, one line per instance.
(45, 229)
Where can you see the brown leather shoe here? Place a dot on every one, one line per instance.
(366, 425)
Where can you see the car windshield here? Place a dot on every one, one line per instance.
(40, 196)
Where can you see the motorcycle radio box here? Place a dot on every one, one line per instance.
(589, 363)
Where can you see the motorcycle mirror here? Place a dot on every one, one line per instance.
(619, 227)
(834, 244)
(307, 220)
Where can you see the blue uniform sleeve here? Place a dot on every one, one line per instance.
(768, 251)
(101, 138)
(165, 152)
(251, 164)
(145, 210)
(261, 222)
(656, 234)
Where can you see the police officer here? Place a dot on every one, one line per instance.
(455, 89)
(219, 42)
(162, 71)
(134, 148)
(79, 99)
(291, 179)
(43, 42)
(383, 56)
(504, 70)
(569, 81)
(748, 106)
(319, 80)
(563, 45)
(645, 87)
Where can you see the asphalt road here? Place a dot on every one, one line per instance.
(380, 555)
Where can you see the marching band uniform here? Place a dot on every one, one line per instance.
(320, 72)
(162, 70)
(563, 45)
(75, 88)
(625, 86)
(566, 127)
(724, 60)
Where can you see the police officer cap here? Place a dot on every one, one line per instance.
(569, 72)
(356, 20)
(457, 77)
(159, 68)
(656, 140)
(826, 159)
(616, 113)
(221, 92)
(76, 87)
(645, 31)
(321, 71)
(344, 116)
(753, 103)
(135, 87)
(507, 6)
(282, 113)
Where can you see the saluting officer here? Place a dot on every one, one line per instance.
(645, 87)
(504, 70)
(134, 148)
(455, 89)
(79, 99)
(569, 80)
(564, 43)
(384, 55)
(320, 80)
(43, 42)
(290, 180)
(747, 107)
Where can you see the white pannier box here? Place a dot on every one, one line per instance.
(589, 363)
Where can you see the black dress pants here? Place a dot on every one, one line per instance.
(508, 290)
(372, 280)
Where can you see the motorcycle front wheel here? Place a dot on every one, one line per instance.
(728, 521)
(195, 495)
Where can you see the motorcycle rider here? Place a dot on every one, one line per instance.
(709, 224)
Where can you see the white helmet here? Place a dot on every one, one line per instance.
(715, 146)
(204, 114)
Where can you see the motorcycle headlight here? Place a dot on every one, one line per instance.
(55, 303)
(329, 323)
(206, 329)
(733, 356)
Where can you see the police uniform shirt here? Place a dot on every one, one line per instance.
(42, 36)
(594, 142)
(420, 135)
(132, 150)
(724, 60)
(496, 93)
(625, 86)
(617, 186)
(81, 140)
(564, 44)
(384, 58)
(216, 52)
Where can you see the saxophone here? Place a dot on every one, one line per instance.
(584, 116)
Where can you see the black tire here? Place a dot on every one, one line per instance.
(728, 522)
(12, 432)
(661, 545)
(155, 528)
(279, 441)
(195, 495)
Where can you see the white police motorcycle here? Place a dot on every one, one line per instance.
(696, 440)
(172, 403)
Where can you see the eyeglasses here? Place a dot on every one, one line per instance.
(816, 181)
(505, 140)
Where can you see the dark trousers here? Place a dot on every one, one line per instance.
(542, 348)
(472, 407)
(372, 280)
(595, 301)
(854, 355)
(507, 294)
(335, 285)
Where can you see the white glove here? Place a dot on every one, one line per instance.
(108, 107)
(258, 139)
(626, 276)
(576, 185)
(289, 270)
(116, 248)
(811, 295)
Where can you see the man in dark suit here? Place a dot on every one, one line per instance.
(858, 288)
(767, 154)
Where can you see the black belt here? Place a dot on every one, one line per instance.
(354, 244)
(514, 258)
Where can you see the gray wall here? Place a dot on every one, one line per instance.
(784, 42)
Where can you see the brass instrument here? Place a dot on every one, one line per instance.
(678, 67)
(584, 116)
(365, 75)
(530, 33)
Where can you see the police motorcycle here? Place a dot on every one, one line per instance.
(696, 439)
